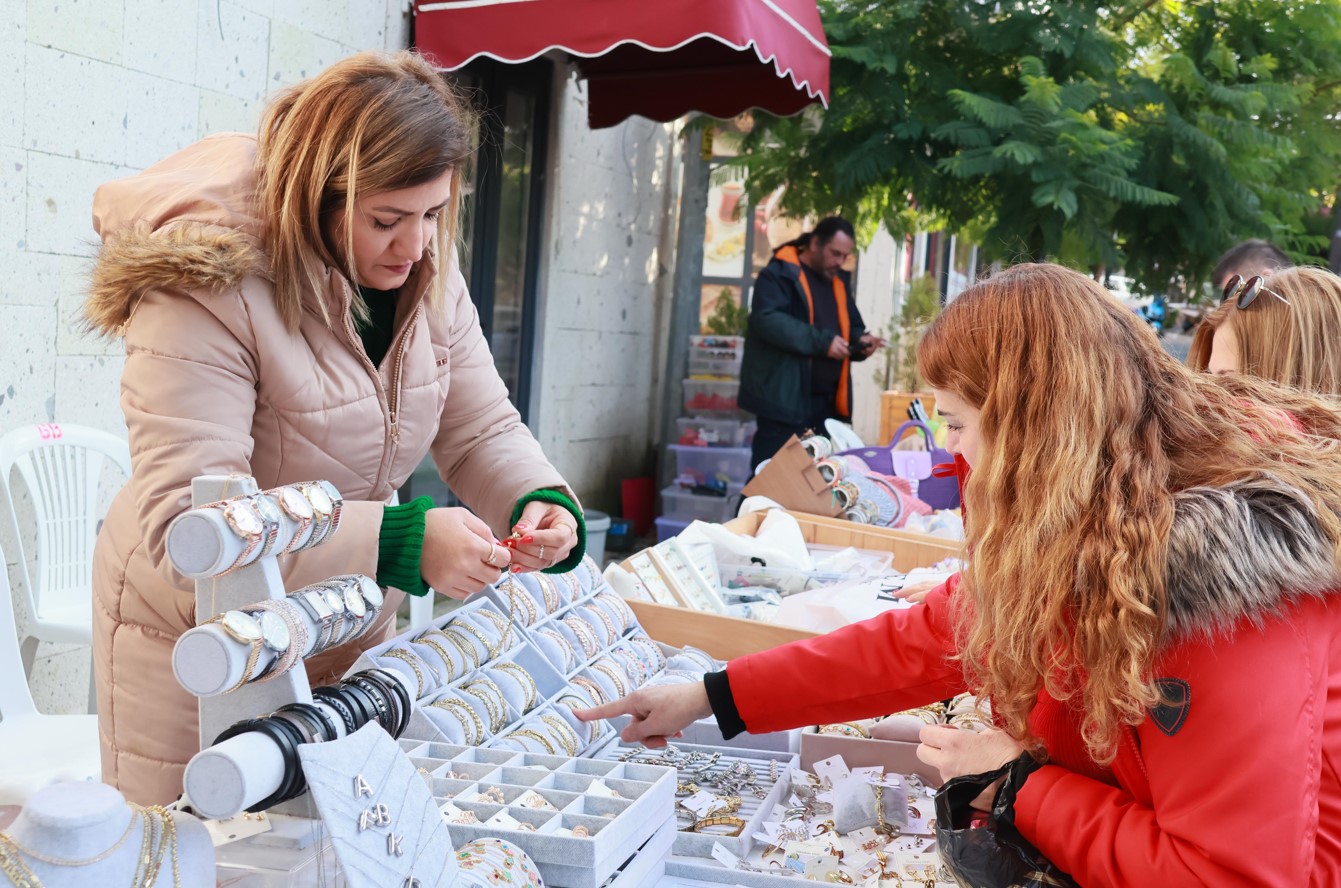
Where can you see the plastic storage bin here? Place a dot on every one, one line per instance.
(679, 504)
(731, 464)
(711, 396)
(716, 355)
(669, 527)
(704, 431)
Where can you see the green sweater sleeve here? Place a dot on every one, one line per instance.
(558, 498)
(400, 545)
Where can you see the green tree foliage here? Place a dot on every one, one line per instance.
(1149, 134)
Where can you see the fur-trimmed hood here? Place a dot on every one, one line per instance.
(1244, 552)
(189, 222)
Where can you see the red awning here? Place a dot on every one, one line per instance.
(657, 58)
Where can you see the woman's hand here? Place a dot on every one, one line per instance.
(955, 753)
(659, 712)
(917, 592)
(548, 534)
(460, 556)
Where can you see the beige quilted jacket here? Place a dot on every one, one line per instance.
(215, 384)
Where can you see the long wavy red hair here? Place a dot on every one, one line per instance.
(1087, 430)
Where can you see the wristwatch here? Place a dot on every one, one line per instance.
(315, 604)
(337, 503)
(286, 611)
(243, 628)
(341, 625)
(269, 513)
(299, 510)
(248, 525)
(367, 588)
(323, 511)
(356, 609)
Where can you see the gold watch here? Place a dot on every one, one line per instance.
(299, 509)
(247, 524)
(243, 628)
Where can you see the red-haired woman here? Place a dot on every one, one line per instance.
(1147, 603)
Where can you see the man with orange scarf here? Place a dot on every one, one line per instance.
(804, 333)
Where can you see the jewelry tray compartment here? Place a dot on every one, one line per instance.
(642, 810)
(753, 810)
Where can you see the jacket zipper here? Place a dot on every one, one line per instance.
(393, 399)
(1129, 733)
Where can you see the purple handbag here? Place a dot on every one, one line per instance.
(939, 493)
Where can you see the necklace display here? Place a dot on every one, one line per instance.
(158, 842)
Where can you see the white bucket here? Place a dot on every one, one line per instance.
(598, 524)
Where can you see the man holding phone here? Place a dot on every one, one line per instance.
(804, 333)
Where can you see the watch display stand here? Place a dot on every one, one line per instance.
(200, 544)
(74, 822)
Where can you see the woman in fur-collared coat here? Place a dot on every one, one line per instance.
(1150, 603)
(293, 310)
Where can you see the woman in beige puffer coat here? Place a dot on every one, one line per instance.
(247, 336)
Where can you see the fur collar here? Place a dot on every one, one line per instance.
(185, 257)
(1244, 551)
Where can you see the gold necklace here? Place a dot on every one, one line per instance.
(13, 867)
(57, 861)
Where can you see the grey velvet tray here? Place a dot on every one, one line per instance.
(753, 810)
(618, 826)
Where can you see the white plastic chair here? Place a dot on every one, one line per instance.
(38, 749)
(61, 467)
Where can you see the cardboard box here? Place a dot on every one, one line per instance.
(728, 637)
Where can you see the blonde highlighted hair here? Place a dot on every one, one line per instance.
(1087, 430)
(373, 122)
(1298, 345)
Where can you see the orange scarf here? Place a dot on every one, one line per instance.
(843, 401)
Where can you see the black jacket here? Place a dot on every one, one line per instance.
(780, 343)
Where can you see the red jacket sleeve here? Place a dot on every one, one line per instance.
(888, 663)
(1234, 793)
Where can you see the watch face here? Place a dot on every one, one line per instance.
(316, 603)
(243, 625)
(243, 518)
(354, 600)
(334, 600)
(320, 500)
(266, 507)
(295, 504)
(372, 593)
(274, 631)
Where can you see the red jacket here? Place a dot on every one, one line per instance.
(1242, 786)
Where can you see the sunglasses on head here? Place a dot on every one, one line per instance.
(1245, 292)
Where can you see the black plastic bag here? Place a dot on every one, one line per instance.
(993, 855)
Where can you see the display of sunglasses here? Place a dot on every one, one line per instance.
(1245, 292)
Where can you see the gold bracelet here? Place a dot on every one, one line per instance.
(606, 621)
(567, 737)
(610, 672)
(469, 656)
(497, 719)
(847, 729)
(445, 657)
(565, 647)
(515, 593)
(525, 680)
(534, 735)
(573, 624)
(736, 822)
(573, 583)
(490, 650)
(598, 695)
(593, 726)
(454, 706)
(413, 662)
(501, 623)
(547, 591)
